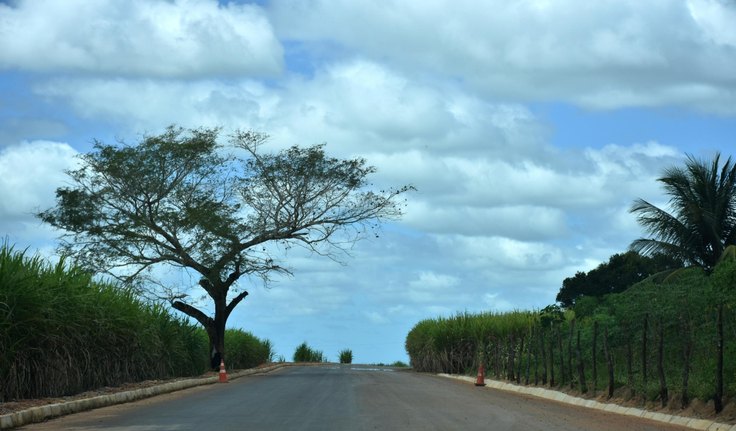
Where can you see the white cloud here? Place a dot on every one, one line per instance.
(181, 38)
(496, 303)
(356, 107)
(431, 281)
(30, 172)
(138, 105)
(376, 317)
(526, 222)
(29, 175)
(715, 18)
(604, 54)
(499, 254)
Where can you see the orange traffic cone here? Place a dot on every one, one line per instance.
(223, 373)
(481, 379)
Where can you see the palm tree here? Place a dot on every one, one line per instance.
(701, 222)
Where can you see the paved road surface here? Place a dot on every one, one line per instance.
(345, 398)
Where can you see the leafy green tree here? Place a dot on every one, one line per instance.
(618, 274)
(220, 212)
(701, 219)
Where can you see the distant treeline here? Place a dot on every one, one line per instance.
(63, 333)
(668, 339)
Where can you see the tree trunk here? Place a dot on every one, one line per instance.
(581, 368)
(718, 399)
(216, 333)
(664, 397)
(215, 327)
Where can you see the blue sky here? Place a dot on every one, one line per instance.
(527, 127)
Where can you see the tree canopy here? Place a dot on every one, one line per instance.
(184, 200)
(700, 221)
(618, 274)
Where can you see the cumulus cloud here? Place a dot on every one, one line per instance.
(496, 303)
(481, 168)
(182, 38)
(525, 222)
(715, 18)
(31, 172)
(603, 55)
(502, 253)
(138, 105)
(356, 106)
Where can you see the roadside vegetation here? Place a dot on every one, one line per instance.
(397, 364)
(61, 333)
(658, 341)
(304, 353)
(346, 356)
(657, 323)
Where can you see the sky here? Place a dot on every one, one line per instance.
(528, 129)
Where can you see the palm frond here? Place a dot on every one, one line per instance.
(701, 222)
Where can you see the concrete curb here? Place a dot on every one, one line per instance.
(42, 413)
(693, 423)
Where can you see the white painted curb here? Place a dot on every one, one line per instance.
(693, 423)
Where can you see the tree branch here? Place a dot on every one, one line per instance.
(234, 303)
(191, 311)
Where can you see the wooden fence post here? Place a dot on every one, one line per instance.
(521, 360)
(562, 358)
(551, 359)
(581, 368)
(595, 356)
(609, 362)
(569, 355)
(686, 356)
(644, 350)
(660, 365)
(542, 349)
(718, 399)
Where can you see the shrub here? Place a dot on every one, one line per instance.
(346, 356)
(304, 353)
(245, 350)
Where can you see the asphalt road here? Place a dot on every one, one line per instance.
(345, 398)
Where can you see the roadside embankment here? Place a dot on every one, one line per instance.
(693, 423)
